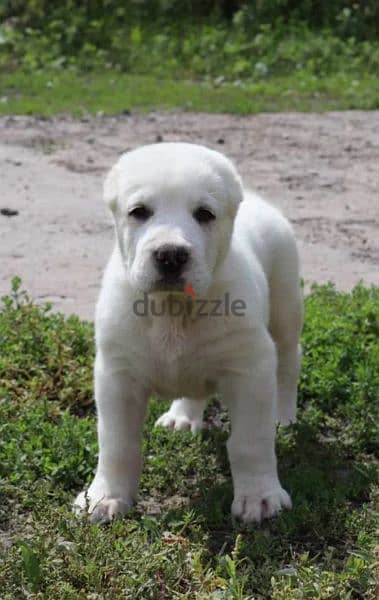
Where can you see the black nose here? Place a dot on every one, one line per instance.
(171, 260)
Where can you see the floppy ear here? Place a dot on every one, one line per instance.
(235, 190)
(110, 188)
(231, 180)
(110, 195)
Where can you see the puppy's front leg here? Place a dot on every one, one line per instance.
(250, 397)
(121, 406)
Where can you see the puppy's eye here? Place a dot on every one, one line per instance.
(203, 215)
(141, 213)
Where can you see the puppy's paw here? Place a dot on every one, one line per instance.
(261, 502)
(286, 419)
(286, 410)
(173, 420)
(286, 416)
(101, 509)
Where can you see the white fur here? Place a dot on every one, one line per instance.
(252, 361)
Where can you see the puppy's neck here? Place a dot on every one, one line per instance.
(170, 325)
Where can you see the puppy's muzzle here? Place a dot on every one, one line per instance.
(170, 261)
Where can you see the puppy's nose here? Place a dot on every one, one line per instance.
(171, 260)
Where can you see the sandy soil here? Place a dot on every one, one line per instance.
(321, 170)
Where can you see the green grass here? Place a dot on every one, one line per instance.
(257, 56)
(179, 541)
(48, 93)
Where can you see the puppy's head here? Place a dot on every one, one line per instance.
(174, 205)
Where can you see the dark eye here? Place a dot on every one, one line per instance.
(203, 215)
(141, 213)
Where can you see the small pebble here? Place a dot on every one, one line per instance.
(8, 212)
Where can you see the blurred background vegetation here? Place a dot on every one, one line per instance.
(193, 39)
(239, 56)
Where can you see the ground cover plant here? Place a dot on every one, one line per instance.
(47, 93)
(179, 541)
(249, 56)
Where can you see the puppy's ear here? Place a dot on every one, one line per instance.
(110, 188)
(231, 181)
(110, 195)
(235, 190)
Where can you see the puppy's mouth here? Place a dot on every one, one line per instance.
(170, 284)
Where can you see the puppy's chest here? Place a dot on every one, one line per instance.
(184, 361)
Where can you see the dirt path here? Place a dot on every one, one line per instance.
(322, 170)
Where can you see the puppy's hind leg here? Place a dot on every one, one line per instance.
(289, 358)
(286, 320)
(184, 414)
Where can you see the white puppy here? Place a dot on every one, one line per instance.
(201, 296)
